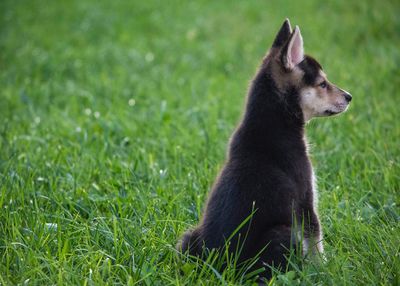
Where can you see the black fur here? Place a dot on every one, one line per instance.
(311, 70)
(267, 171)
(283, 34)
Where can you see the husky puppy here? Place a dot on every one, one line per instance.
(268, 175)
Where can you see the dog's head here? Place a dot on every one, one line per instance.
(292, 70)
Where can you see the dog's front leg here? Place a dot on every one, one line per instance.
(312, 240)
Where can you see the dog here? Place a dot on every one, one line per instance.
(264, 200)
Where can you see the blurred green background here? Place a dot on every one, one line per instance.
(115, 117)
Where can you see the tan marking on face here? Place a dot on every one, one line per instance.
(317, 101)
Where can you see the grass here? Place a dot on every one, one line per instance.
(115, 118)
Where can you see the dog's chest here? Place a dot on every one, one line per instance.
(309, 176)
(314, 190)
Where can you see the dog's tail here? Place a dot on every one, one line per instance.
(190, 243)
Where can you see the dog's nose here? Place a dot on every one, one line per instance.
(347, 96)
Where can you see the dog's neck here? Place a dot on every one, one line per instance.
(271, 118)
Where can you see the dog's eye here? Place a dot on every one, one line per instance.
(323, 84)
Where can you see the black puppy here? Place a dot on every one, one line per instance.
(268, 174)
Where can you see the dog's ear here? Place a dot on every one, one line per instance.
(283, 35)
(293, 53)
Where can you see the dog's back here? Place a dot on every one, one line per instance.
(259, 178)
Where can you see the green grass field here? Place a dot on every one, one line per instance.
(115, 117)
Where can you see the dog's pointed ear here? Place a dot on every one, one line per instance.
(283, 34)
(293, 52)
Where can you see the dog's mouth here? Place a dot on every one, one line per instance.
(338, 109)
(331, 112)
